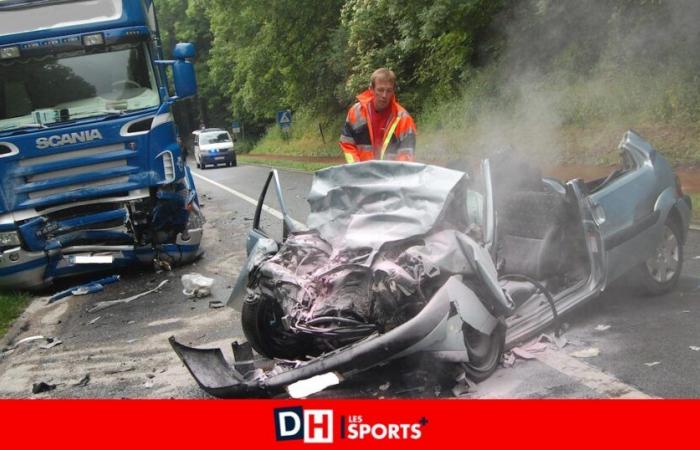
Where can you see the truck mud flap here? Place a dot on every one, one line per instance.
(213, 373)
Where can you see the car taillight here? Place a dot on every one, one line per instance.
(679, 188)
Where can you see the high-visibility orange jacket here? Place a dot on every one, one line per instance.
(358, 143)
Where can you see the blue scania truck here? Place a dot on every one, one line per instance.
(93, 177)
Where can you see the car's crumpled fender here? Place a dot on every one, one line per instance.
(218, 378)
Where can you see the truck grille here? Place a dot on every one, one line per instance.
(74, 175)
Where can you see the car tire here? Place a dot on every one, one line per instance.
(234, 163)
(262, 326)
(484, 351)
(659, 274)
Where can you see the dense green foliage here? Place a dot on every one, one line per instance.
(557, 78)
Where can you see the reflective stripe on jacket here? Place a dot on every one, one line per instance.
(356, 138)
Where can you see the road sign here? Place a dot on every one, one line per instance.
(236, 127)
(284, 118)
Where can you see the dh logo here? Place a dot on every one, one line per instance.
(314, 426)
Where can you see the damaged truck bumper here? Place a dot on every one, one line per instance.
(437, 329)
(39, 246)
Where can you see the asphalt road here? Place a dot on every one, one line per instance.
(646, 345)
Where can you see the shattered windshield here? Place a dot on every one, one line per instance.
(43, 90)
(217, 138)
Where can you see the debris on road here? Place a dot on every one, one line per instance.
(385, 386)
(83, 381)
(119, 370)
(508, 360)
(99, 306)
(196, 285)
(50, 343)
(38, 388)
(93, 321)
(83, 289)
(652, 364)
(586, 353)
(463, 386)
(695, 348)
(215, 304)
(560, 341)
(27, 339)
(602, 327)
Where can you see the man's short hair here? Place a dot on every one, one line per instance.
(383, 74)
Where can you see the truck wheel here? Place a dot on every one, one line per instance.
(484, 351)
(659, 274)
(262, 326)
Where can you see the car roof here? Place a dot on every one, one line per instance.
(208, 130)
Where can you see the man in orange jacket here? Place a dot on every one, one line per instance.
(377, 127)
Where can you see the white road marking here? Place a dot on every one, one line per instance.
(589, 376)
(250, 200)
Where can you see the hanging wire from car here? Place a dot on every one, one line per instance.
(540, 288)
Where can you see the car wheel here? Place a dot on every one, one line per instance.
(484, 351)
(262, 326)
(659, 274)
(235, 162)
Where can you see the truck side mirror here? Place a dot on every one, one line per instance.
(183, 70)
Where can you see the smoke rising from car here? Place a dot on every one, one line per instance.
(572, 76)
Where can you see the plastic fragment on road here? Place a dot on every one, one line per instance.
(508, 359)
(196, 285)
(99, 306)
(586, 353)
(214, 304)
(93, 321)
(83, 381)
(50, 343)
(119, 370)
(652, 364)
(602, 327)
(83, 289)
(694, 348)
(304, 388)
(559, 341)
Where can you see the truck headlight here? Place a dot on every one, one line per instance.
(9, 239)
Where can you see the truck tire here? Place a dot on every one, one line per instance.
(659, 274)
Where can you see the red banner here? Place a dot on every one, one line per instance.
(198, 424)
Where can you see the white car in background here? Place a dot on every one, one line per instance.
(213, 146)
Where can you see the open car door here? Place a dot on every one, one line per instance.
(259, 242)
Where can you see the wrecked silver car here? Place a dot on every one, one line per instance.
(401, 258)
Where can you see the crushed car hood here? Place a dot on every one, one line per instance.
(350, 203)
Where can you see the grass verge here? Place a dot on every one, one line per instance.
(298, 165)
(11, 306)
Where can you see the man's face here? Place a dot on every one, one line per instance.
(383, 92)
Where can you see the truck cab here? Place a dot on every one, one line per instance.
(93, 174)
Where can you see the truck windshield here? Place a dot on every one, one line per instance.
(56, 88)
